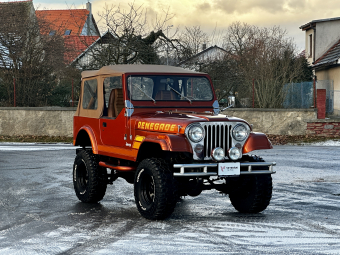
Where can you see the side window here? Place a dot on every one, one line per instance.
(90, 99)
(111, 83)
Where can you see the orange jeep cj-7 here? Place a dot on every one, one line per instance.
(159, 128)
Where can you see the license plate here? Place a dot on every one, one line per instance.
(228, 169)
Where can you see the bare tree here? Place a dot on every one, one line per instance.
(266, 56)
(192, 39)
(223, 73)
(31, 59)
(238, 38)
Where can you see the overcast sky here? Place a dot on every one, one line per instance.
(288, 14)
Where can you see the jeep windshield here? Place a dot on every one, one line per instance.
(169, 88)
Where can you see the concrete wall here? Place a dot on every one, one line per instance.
(276, 121)
(57, 121)
(45, 121)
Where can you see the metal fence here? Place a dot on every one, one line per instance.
(299, 95)
(294, 95)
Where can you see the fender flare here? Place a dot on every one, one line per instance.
(256, 141)
(92, 137)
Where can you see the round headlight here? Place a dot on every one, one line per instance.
(234, 153)
(196, 134)
(218, 154)
(240, 132)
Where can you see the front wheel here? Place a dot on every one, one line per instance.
(253, 192)
(89, 179)
(254, 195)
(155, 189)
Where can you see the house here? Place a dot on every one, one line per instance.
(77, 26)
(322, 50)
(207, 54)
(95, 55)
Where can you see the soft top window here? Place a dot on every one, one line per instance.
(90, 98)
(111, 83)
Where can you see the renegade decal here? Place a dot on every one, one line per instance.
(156, 126)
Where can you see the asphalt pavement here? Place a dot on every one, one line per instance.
(40, 213)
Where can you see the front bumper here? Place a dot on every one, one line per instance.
(246, 168)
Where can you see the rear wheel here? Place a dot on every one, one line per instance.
(89, 180)
(155, 189)
(253, 192)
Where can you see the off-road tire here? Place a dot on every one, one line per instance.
(155, 189)
(89, 179)
(254, 192)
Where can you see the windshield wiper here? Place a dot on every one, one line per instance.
(144, 93)
(180, 94)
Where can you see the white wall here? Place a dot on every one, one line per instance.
(327, 34)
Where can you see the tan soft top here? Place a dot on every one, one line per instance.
(120, 69)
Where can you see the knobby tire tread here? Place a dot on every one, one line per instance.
(166, 189)
(97, 182)
(262, 191)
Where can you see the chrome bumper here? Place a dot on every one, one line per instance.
(204, 168)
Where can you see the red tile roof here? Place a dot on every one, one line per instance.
(75, 45)
(62, 20)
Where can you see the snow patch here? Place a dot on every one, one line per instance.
(324, 143)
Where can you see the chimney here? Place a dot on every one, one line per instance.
(89, 7)
(204, 46)
(89, 18)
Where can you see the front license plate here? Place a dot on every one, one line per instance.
(227, 169)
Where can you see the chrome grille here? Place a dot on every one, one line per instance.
(216, 135)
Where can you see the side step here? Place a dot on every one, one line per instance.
(118, 168)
